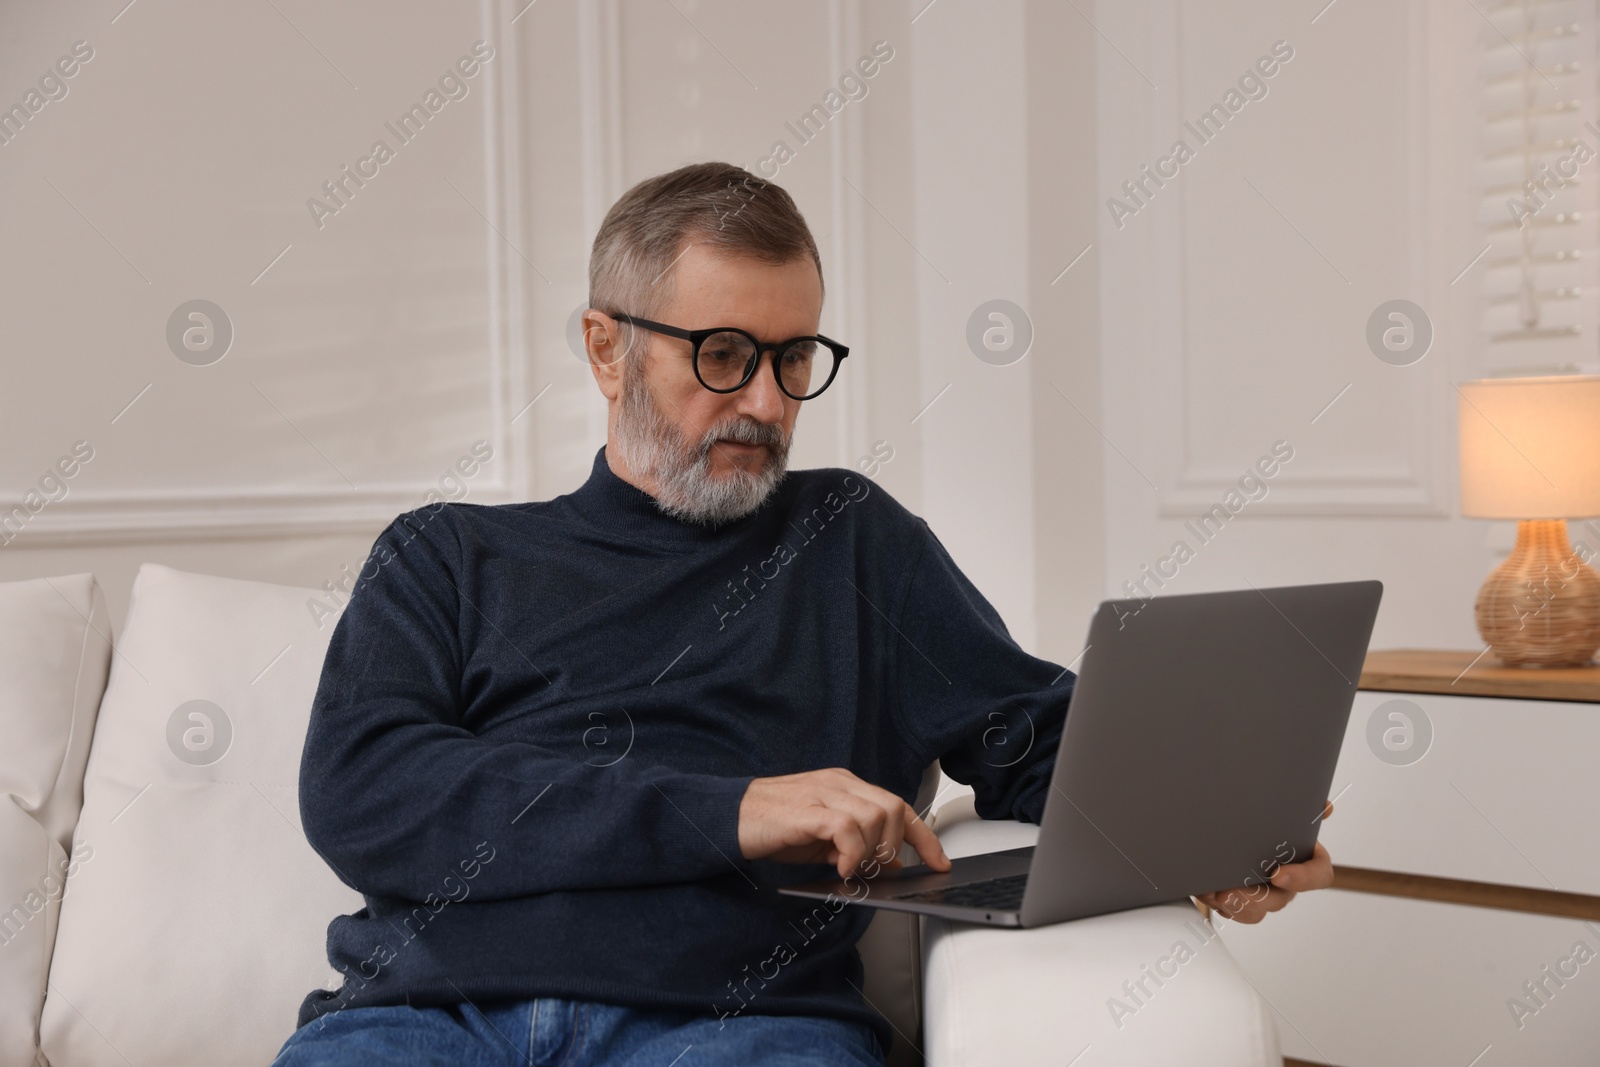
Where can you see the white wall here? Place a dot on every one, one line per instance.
(1222, 317)
(431, 310)
(370, 349)
(1235, 300)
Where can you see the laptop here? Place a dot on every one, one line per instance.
(1199, 747)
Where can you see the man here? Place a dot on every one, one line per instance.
(567, 750)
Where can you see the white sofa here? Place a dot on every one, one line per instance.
(159, 780)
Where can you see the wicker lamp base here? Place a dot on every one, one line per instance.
(1541, 607)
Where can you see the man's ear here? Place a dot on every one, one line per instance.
(602, 343)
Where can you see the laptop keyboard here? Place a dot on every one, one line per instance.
(1002, 894)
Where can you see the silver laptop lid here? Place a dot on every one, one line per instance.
(1200, 744)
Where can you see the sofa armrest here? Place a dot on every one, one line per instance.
(1152, 985)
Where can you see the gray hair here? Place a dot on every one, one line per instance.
(716, 204)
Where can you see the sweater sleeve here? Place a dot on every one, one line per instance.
(969, 695)
(396, 794)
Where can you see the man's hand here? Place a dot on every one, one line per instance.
(831, 816)
(1251, 905)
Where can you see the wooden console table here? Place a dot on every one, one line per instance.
(1478, 674)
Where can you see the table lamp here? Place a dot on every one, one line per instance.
(1530, 451)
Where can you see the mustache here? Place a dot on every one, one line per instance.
(745, 431)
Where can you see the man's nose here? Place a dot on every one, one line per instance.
(760, 398)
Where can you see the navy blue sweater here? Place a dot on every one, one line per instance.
(536, 721)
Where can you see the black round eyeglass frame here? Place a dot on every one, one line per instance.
(695, 337)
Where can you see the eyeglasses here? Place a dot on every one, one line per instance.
(725, 357)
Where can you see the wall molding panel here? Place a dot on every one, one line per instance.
(208, 512)
(1161, 428)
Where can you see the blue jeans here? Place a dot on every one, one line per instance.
(552, 1032)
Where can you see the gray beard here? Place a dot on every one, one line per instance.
(653, 447)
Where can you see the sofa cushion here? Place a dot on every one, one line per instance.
(200, 923)
(54, 651)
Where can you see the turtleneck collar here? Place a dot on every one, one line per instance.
(629, 512)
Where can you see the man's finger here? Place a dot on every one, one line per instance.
(1233, 906)
(925, 841)
(1314, 873)
(866, 821)
(1230, 902)
(893, 833)
(845, 833)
